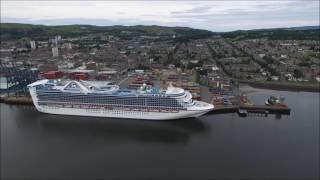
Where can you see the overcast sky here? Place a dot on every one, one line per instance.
(211, 15)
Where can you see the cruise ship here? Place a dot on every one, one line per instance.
(83, 98)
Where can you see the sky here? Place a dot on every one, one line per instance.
(218, 16)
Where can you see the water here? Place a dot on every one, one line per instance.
(42, 146)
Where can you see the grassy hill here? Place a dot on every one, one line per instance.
(14, 31)
(303, 33)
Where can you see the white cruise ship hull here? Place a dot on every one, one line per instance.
(120, 113)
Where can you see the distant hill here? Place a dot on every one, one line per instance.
(14, 31)
(306, 28)
(293, 33)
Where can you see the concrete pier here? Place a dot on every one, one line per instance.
(263, 109)
(17, 100)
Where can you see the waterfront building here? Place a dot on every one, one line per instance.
(55, 52)
(33, 44)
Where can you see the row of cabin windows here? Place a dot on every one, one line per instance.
(95, 105)
(168, 102)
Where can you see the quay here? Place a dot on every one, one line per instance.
(228, 98)
(276, 109)
(245, 109)
(220, 109)
(24, 100)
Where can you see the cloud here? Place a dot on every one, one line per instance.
(200, 9)
(211, 15)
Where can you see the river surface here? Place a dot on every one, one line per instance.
(42, 146)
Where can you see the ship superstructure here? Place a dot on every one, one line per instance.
(87, 99)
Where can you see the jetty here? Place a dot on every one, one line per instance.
(24, 100)
(280, 109)
(243, 109)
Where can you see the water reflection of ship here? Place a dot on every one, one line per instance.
(114, 130)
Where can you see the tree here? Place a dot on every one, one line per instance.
(127, 53)
(177, 64)
(297, 73)
(197, 77)
(268, 59)
(203, 72)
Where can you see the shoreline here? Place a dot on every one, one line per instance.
(282, 86)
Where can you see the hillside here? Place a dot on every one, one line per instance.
(14, 31)
(296, 33)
